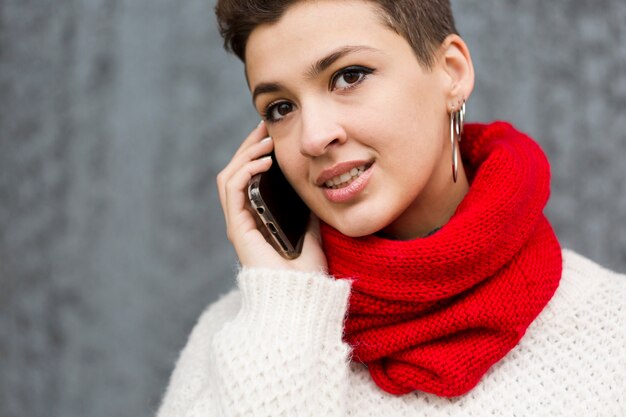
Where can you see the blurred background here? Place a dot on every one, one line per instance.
(116, 116)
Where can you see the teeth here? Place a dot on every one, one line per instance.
(346, 178)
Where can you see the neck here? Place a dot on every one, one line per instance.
(432, 209)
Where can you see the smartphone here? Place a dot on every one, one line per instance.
(280, 214)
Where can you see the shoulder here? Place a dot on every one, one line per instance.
(573, 356)
(583, 279)
(589, 297)
(191, 374)
(586, 316)
(576, 263)
(216, 314)
(584, 323)
(210, 321)
(590, 293)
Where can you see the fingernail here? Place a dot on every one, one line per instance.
(267, 139)
(260, 123)
(266, 157)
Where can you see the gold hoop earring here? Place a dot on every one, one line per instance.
(457, 121)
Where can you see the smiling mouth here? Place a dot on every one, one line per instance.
(346, 178)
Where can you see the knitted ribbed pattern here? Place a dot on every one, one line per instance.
(433, 314)
(300, 357)
(244, 359)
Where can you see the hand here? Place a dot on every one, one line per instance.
(249, 243)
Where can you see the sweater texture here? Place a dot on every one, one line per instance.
(433, 314)
(273, 347)
(277, 345)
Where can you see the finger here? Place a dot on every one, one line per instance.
(244, 154)
(257, 134)
(235, 193)
(235, 198)
(254, 151)
(237, 163)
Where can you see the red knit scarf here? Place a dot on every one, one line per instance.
(434, 314)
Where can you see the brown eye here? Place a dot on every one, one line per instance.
(350, 77)
(277, 111)
(283, 109)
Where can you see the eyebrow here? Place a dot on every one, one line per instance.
(314, 70)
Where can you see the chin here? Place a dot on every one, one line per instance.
(356, 229)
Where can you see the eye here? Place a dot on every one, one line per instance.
(349, 77)
(276, 111)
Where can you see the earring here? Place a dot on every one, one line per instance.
(457, 121)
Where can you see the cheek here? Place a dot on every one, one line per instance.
(401, 110)
(292, 164)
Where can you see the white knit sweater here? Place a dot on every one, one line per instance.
(273, 348)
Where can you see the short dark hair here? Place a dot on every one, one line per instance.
(425, 24)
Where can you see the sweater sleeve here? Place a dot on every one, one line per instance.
(281, 354)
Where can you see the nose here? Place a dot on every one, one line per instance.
(321, 129)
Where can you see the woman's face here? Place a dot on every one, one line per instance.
(360, 128)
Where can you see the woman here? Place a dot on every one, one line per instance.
(430, 282)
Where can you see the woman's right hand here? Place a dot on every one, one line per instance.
(250, 245)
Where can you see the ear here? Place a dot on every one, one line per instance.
(456, 61)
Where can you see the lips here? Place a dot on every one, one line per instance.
(343, 180)
(352, 178)
(342, 174)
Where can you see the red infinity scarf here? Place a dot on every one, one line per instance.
(435, 313)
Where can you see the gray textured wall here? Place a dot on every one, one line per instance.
(116, 115)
